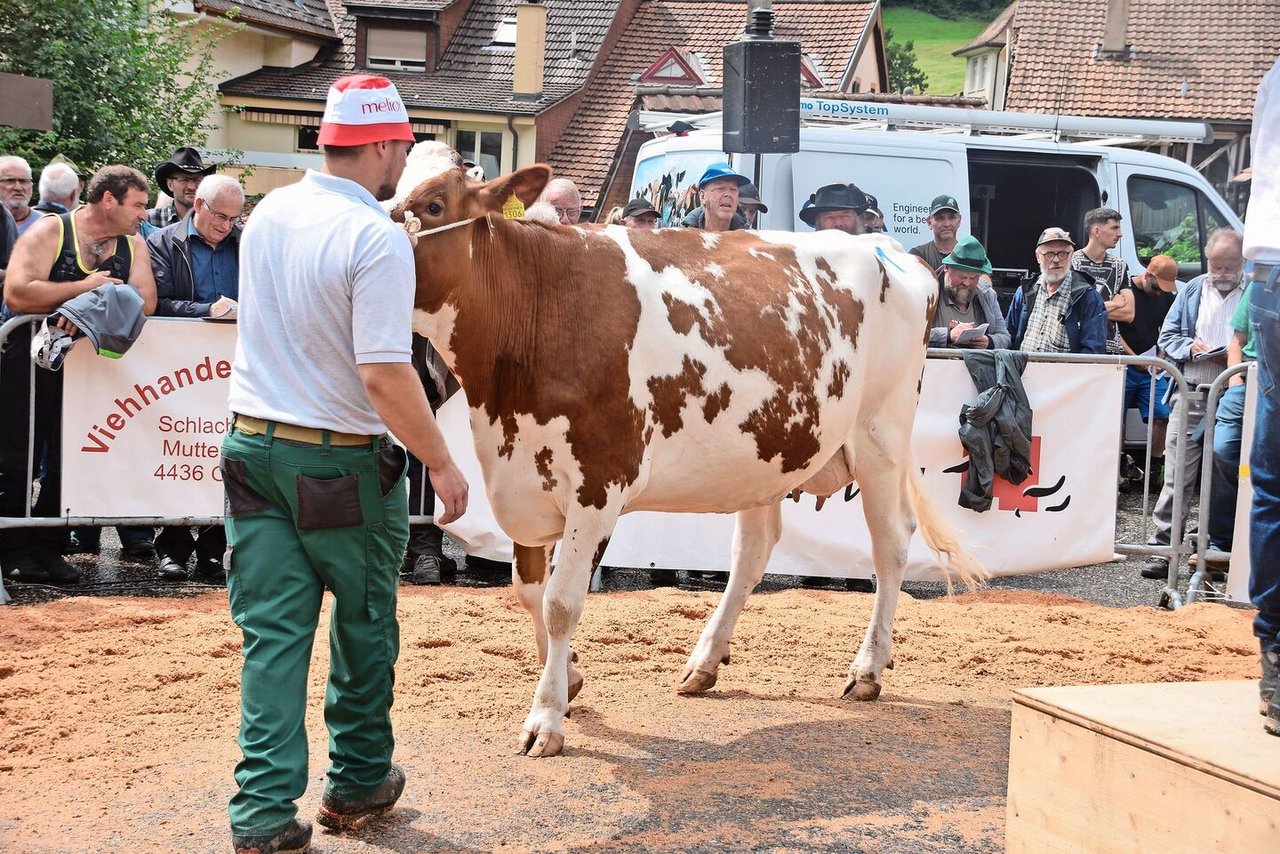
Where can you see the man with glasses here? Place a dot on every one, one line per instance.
(197, 269)
(15, 191)
(562, 194)
(1061, 312)
(718, 192)
(179, 176)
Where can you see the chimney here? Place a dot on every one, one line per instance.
(1115, 28)
(531, 48)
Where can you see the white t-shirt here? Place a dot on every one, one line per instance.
(1262, 222)
(326, 283)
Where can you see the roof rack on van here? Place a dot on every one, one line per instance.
(881, 116)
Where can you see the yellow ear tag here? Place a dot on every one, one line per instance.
(512, 208)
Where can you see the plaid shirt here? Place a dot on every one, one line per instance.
(1046, 333)
(160, 217)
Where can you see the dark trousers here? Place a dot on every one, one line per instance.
(207, 542)
(424, 540)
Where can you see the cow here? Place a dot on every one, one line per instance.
(610, 370)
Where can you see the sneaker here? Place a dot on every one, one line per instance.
(1270, 678)
(426, 570)
(139, 549)
(294, 838)
(1156, 568)
(1216, 567)
(172, 570)
(347, 813)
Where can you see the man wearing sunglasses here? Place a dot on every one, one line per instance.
(1061, 312)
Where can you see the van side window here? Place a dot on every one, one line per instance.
(1173, 219)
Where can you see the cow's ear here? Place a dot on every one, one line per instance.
(526, 184)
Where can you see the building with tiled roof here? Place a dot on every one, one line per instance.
(669, 58)
(1181, 59)
(986, 73)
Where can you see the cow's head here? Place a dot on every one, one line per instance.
(450, 196)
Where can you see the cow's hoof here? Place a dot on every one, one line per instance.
(861, 689)
(575, 682)
(541, 745)
(696, 681)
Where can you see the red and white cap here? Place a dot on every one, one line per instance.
(363, 108)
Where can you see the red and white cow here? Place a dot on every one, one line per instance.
(611, 370)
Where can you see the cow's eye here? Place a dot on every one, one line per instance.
(435, 209)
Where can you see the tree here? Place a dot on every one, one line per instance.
(120, 94)
(903, 70)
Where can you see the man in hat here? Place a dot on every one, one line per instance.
(836, 207)
(944, 221)
(1148, 299)
(316, 493)
(873, 217)
(1061, 312)
(749, 204)
(179, 176)
(638, 213)
(15, 191)
(48, 269)
(718, 190)
(964, 306)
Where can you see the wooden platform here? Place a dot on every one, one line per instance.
(1171, 767)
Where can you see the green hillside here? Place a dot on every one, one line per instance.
(935, 38)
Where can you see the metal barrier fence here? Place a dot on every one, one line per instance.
(1175, 552)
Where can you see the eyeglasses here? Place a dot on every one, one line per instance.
(571, 213)
(16, 182)
(221, 218)
(1056, 256)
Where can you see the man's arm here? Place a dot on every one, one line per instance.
(396, 393)
(1235, 354)
(997, 331)
(26, 288)
(1121, 308)
(140, 275)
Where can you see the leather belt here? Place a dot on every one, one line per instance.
(250, 426)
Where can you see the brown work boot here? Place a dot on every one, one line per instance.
(347, 813)
(293, 838)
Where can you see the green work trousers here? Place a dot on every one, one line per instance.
(302, 519)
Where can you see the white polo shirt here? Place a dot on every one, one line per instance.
(326, 284)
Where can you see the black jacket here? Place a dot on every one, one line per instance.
(171, 264)
(996, 428)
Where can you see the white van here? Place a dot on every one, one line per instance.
(1014, 174)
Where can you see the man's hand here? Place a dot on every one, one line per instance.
(67, 326)
(222, 307)
(451, 487)
(100, 278)
(1198, 347)
(956, 328)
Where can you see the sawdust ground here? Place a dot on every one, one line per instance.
(118, 720)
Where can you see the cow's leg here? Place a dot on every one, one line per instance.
(755, 534)
(586, 536)
(882, 458)
(529, 576)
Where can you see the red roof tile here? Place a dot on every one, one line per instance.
(829, 32)
(1219, 48)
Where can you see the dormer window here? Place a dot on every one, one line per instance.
(675, 68)
(504, 37)
(388, 49)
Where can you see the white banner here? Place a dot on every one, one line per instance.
(141, 438)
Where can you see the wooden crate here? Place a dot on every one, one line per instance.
(1171, 767)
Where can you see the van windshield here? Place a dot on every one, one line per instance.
(1172, 219)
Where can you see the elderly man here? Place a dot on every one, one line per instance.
(1061, 312)
(836, 207)
(316, 494)
(47, 269)
(750, 205)
(196, 264)
(718, 191)
(638, 213)
(179, 176)
(60, 188)
(15, 191)
(1195, 336)
(1109, 272)
(964, 306)
(562, 194)
(944, 221)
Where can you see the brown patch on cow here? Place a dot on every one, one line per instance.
(672, 391)
(557, 617)
(680, 315)
(839, 376)
(599, 556)
(531, 563)
(930, 308)
(542, 460)
(717, 402)
(751, 316)
(884, 281)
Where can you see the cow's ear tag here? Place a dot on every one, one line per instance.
(512, 208)
(412, 225)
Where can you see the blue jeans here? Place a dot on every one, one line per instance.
(1264, 462)
(1227, 427)
(1137, 392)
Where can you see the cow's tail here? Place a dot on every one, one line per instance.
(942, 537)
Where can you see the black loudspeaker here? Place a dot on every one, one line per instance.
(762, 97)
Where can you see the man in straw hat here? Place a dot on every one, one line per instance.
(316, 495)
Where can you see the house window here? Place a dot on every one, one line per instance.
(484, 148)
(395, 50)
(505, 35)
(308, 139)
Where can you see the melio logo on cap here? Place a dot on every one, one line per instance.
(363, 108)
